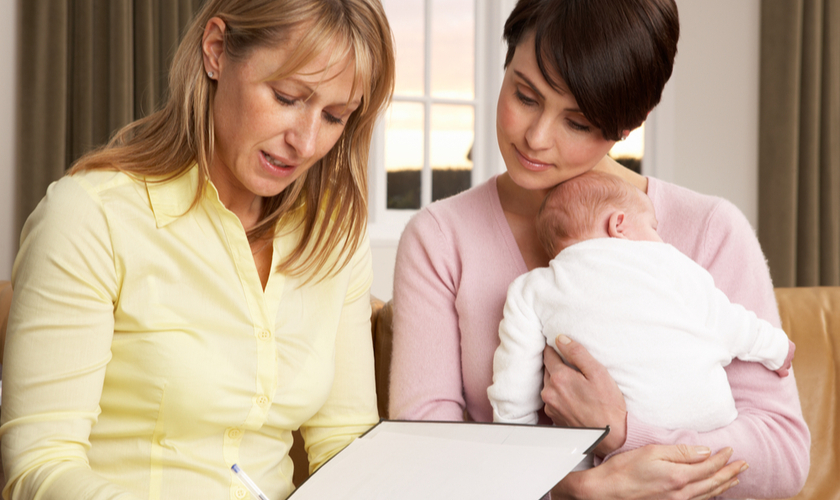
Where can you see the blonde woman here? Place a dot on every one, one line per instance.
(197, 289)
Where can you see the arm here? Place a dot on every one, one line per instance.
(748, 337)
(518, 363)
(654, 472)
(58, 346)
(426, 381)
(350, 409)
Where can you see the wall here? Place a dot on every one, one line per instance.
(713, 101)
(716, 90)
(8, 240)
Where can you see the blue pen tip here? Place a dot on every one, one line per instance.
(235, 468)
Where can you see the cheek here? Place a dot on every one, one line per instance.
(586, 150)
(508, 122)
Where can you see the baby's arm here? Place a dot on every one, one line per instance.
(750, 338)
(518, 361)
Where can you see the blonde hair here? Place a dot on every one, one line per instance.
(332, 195)
(571, 209)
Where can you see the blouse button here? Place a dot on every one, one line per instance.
(262, 400)
(234, 433)
(241, 493)
(264, 335)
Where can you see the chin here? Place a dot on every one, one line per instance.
(534, 181)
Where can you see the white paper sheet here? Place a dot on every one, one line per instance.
(450, 460)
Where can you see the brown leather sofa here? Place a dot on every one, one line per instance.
(810, 316)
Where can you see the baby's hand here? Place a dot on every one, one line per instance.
(784, 370)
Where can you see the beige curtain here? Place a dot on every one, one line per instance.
(799, 141)
(86, 68)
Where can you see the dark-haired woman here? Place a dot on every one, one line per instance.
(579, 75)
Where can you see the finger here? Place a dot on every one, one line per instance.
(723, 480)
(577, 356)
(551, 359)
(685, 454)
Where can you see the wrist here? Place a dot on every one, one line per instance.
(615, 439)
(572, 487)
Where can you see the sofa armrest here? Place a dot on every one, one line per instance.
(811, 318)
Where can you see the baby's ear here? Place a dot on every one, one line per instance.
(617, 225)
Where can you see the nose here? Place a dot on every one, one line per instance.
(539, 134)
(303, 136)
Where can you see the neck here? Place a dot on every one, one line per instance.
(244, 204)
(610, 166)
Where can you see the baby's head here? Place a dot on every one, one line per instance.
(595, 205)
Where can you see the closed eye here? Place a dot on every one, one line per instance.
(525, 99)
(288, 101)
(333, 119)
(578, 126)
(283, 99)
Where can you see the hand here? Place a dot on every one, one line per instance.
(655, 472)
(784, 370)
(586, 397)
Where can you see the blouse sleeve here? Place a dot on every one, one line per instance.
(58, 345)
(350, 409)
(426, 380)
(769, 433)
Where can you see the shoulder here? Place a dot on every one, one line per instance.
(468, 209)
(70, 200)
(695, 223)
(464, 218)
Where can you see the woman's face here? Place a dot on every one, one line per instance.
(268, 133)
(543, 137)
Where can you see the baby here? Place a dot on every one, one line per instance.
(648, 313)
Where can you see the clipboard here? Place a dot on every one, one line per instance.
(423, 460)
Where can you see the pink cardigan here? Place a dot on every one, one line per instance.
(455, 262)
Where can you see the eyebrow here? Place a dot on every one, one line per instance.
(540, 94)
(313, 91)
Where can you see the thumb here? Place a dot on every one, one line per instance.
(576, 356)
(685, 454)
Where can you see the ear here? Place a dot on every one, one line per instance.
(213, 47)
(617, 225)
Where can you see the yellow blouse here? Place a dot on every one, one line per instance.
(144, 359)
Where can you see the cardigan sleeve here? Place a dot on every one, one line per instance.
(426, 379)
(769, 433)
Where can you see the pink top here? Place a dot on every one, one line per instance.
(455, 262)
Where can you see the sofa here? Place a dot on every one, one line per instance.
(810, 316)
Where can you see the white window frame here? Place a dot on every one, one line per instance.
(385, 225)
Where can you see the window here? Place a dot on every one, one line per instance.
(438, 136)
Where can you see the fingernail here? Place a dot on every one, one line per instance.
(702, 450)
(563, 339)
(744, 467)
(736, 482)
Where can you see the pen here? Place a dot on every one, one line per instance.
(248, 483)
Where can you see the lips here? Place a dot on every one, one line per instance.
(530, 163)
(277, 163)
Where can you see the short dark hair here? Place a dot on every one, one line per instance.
(615, 56)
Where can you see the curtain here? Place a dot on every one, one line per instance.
(799, 141)
(86, 68)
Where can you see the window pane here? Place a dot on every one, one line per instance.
(630, 151)
(407, 22)
(453, 51)
(404, 154)
(452, 139)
